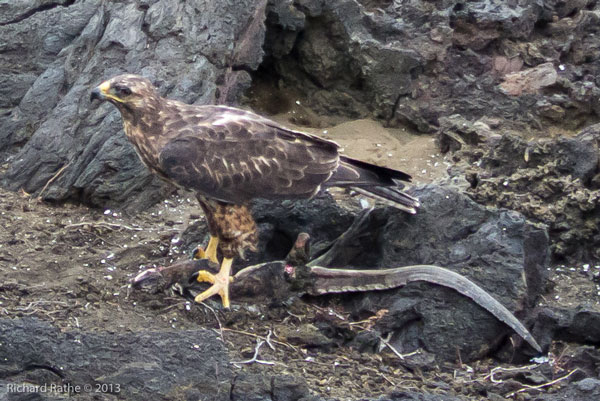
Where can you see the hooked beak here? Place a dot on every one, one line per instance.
(100, 92)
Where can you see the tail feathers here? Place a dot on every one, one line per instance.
(392, 197)
(381, 183)
(384, 175)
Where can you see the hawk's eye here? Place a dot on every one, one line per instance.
(123, 91)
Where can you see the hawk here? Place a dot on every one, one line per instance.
(229, 156)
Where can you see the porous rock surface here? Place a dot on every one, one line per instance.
(554, 181)
(530, 63)
(130, 365)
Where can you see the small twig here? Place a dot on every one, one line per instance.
(268, 340)
(51, 180)
(558, 359)
(105, 241)
(296, 316)
(103, 224)
(460, 362)
(386, 379)
(167, 308)
(368, 323)
(217, 318)
(499, 369)
(394, 350)
(538, 387)
(257, 336)
(329, 311)
(259, 344)
(42, 311)
(35, 303)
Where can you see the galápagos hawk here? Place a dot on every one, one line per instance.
(230, 156)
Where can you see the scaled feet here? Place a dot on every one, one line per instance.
(220, 281)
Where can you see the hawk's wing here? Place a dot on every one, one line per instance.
(236, 157)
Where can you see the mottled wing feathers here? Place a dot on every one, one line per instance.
(235, 159)
(234, 156)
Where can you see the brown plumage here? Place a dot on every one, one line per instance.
(229, 156)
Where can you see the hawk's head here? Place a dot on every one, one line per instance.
(128, 92)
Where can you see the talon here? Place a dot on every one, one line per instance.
(205, 277)
(211, 251)
(220, 283)
(199, 254)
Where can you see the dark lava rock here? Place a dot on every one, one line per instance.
(583, 390)
(553, 181)
(290, 388)
(157, 365)
(251, 387)
(412, 396)
(415, 62)
(585, 358)
(306, 335)
(581, 324)
(53, 53)
(256, 387)
(507, 153)
(281, 222)
(132, 366)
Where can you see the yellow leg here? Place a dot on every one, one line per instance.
(211, 250)
(219, 281)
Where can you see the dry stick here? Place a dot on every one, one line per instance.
(42, 311)
(54, 177)
(388, 380)
(329, 311)
(29, 287)
(257, 336)
(105, 241)
(394, 350)
(41, 301)
(368, 323)
(268, 340)
(499, 369)
(460, 362)
(104, 225)
(217, 318)
(259, 344)
(538, 387)
(169, 307)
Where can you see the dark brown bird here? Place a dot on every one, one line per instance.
(230, 156)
